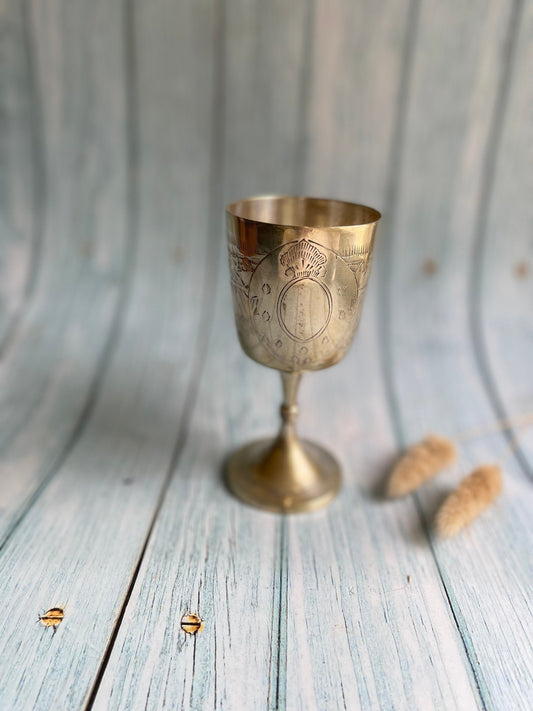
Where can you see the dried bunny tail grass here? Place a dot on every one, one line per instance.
(420, 463)
(474, 494)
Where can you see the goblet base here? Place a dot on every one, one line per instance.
(285, 476)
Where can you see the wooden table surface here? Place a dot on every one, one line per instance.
(125, 127)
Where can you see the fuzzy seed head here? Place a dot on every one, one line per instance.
(419, 464)
(475, 493)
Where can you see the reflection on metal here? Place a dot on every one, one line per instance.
(299, 268)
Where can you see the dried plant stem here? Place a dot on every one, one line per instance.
(507, 423)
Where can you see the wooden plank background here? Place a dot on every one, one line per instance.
(124, 129)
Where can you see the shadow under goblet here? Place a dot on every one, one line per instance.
(299, 268)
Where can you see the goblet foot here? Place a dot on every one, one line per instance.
(283, 476)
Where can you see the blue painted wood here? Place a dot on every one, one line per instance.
(209, 555)
(137, 123)
(503, 278)
(57, 343)
(266, 49)
(356, 58)
(359, 635)
(22, 156)
(434, 377)
(329, 578)
(221, 556)
(79, 545)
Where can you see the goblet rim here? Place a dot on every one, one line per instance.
(374, 215)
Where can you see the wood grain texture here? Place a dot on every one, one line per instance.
(212, 556)
(327, 648)
(355, 64)
(503, 277)
(265, 74)
(58, 344)
(434, 377)
(125, 128)
(79, 544)
(358, 634)
(22, 161)
(222, 557)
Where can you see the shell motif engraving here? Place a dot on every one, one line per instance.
(302, 260)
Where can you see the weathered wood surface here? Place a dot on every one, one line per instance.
(116, 471)
(125, 128)
(443, 387)
(504, 285)
(57, 342)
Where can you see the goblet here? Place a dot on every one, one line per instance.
(299, 268)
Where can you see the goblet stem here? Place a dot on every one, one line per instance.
(289, 407)
(284, 474)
